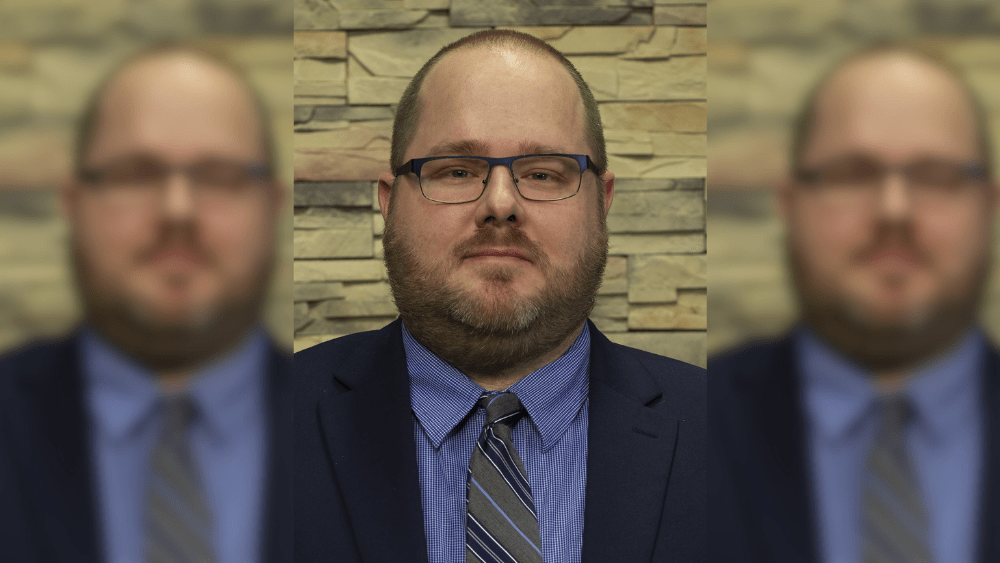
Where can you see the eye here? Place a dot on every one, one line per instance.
(458, 173)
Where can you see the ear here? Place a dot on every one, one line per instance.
(608, 184)
(385, 181)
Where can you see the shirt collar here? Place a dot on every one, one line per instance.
(124, 392)
(442, 396)
(838, 392)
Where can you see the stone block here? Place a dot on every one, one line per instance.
(688, 313)
(656, 166)
(315, 70)
(338, 270)
(427, 4)
(674, 78)
(465, 13)
(380, 19)
(343, 309)
(378, 224)
(686, 346)
(15, 56)
(679, 144)
(339, 326)
(303, 113)
(320, 44)
(355, 138)
(601, 75)
(659, 212)
(594, 40)
(401, 53)
(33, 157)
(615, 280)
(319, 165)
(340, 194)
(375, 90)
(333, 243)
(320, 92)
(332, 218)
(611, 306)
(367, 291)
(656, 278)
(316, 126)
(352, 113)
(628, 142)
(680, 15)
(657, 184)
(317, 291)
(673, 243)
(302, 317)
(691, 41)
(687, 117)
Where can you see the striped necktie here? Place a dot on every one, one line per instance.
(501, 524)
(178, 523)
(894, 520)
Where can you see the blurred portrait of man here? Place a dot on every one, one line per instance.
(157, 430)
(492, 421)
(866, 433)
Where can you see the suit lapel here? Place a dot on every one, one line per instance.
(778, 487)
(57, 446)
(369, 432)
(628, 460)
(277, 526)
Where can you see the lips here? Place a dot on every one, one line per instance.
(503, 252)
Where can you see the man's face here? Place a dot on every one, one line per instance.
(897, 254)
(158, 249)
(502, 255)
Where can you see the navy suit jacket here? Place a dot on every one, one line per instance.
(357, 489)
(760, 500)
(45, 460)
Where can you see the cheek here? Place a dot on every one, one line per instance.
(957, 242)
(825, 241)
(110, 239)
(239, 239)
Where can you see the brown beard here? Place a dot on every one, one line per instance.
(492, 334)
(176, 344)
(888, 344)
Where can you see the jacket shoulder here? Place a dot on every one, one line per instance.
(35, 358)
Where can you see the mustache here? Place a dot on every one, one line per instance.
(173, 237)
(893, 238)
(489, 237)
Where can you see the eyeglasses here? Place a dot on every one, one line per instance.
(461, 179)
(858, 179)
(140, 180)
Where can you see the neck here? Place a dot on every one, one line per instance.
(507, 377)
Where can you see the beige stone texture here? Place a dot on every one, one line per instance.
(594, 40)
(318, 291)
(401, 54)
(687, 117)
(380, 19)
(320, 44)
(338, 270)
(660, 212)
(375, 90)
(615, 280)
(367, 291)
(319, 165)
(333, 243)
(676, 78)
(656, 278)
(680, 15)
(611, 306)
(687, 243)
(656, 166)
(686, 346)
(344, 309)
(688, 313)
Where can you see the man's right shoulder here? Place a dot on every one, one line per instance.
(36, 358)
(751, 359)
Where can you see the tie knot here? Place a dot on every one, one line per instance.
(504, 408)
(178, 412)
(895, 411)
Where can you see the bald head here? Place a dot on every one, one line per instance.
(513, 51)
(177, 91)
(894, 97)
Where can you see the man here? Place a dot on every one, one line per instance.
(865, 434)
(493, 422)
(157, 431)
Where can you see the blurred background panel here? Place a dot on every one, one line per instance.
(645, 63)
(764, 57)
(53, 54)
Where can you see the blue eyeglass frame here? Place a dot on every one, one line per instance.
(415, 164)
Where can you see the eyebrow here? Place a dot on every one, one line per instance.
(469, 147)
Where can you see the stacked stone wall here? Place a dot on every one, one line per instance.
(645, 62)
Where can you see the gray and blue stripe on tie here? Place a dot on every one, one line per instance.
(501, 521)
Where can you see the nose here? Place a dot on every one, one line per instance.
(500, 203)
(178, 197)
(895, 198)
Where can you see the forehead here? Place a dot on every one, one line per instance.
(178, 107)
(896, 107)
(502, 97)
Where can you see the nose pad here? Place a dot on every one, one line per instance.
(489, 174)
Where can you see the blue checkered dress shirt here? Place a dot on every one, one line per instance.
(551, 440)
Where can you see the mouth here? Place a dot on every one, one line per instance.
(498, 253)
(176, 259)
